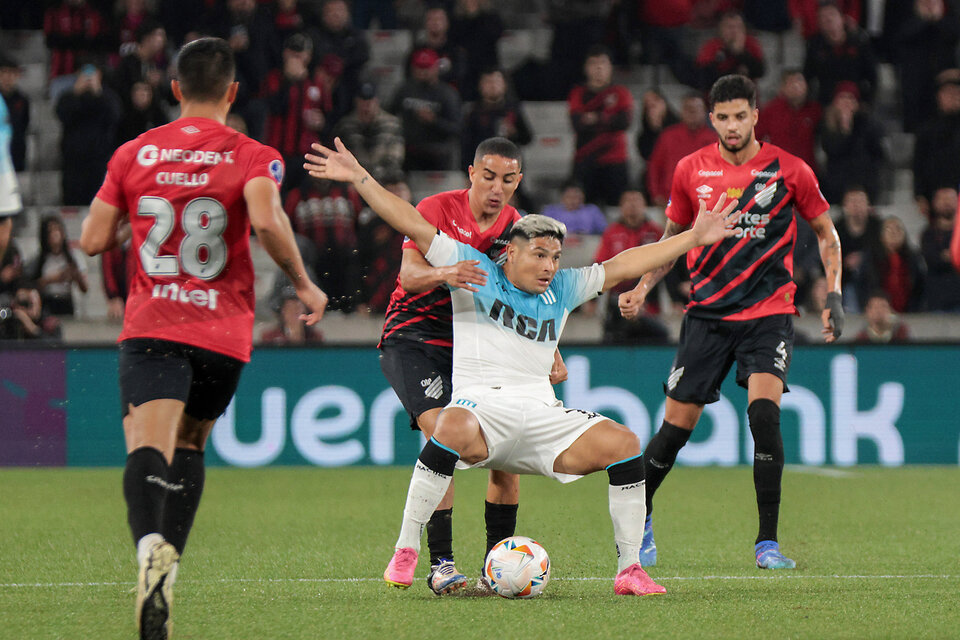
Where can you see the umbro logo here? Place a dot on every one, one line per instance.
(190, 129)
(432, 388)
(674, 378)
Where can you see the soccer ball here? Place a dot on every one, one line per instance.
(517, 567)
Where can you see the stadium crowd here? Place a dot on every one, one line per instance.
(306, 76)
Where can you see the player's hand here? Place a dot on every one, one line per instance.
(832, 317)
(558, 372)
(338, 165)
(717, 224)
(315, 300)
(631, 303)
(464, 274)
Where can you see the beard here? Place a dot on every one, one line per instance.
(740, 147)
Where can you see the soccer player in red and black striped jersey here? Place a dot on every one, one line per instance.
(416, 347)
(742, 297)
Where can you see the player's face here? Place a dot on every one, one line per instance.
(734, 122)
(493, 181)
(531, 264)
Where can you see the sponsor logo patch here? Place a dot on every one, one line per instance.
(276, 171)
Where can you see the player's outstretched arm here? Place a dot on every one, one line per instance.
(631, 302)
(417, 275)
(341, 166)
(832, 259)
(98, 233)
(710, 226)
(276, 235)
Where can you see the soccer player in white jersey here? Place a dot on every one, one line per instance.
(503, 413)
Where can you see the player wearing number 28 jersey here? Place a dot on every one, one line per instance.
(183, 184)
(191, 192)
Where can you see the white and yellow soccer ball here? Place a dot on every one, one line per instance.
(517, 567)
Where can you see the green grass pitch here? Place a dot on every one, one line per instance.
(298, 553)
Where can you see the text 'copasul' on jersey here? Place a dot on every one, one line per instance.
(426, 316)
(749, 275)
(181, 185)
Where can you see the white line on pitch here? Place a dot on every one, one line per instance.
(923, 576)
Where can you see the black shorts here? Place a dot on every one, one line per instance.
(420, 374)
(152, 369)
(708, 348)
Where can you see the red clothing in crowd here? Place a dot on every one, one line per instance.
(619, 237)
(286, 127)
(793, 130)
(604, 142)
(666, 13)
(676, 142)
(71, 32)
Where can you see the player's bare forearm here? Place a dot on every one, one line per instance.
(416, 274)
(830, 252)
(273, 229)
(98, 232)
(341, 166)
(655, 275)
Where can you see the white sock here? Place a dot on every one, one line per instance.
(427, 489)
(628, 510)
(145, 543)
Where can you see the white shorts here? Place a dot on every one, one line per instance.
(10, 202)
(524, 434)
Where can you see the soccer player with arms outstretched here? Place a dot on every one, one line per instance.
(416, 353)
(503, 413)
(191, 191)
(741, 299)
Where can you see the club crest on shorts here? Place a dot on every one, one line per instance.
(432, 388)
(675, 375)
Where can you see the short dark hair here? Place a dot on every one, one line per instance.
(733, 87)
(498, 147)
(597, 50)
(205, 69)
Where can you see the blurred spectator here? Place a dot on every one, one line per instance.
(74, 31)
(11, 262)
(25, 318)
(600, 112)
(435, 35)
(183, 20)
(297, 107)
(806, 13)
(897, 269)
(664, 35)
(858, 228)
(495, 114)
(631, 230)
(791, 119)
(374, 136)
(937, 148)
(337, 37)
(18, 110)
(476, 28)
(144, 112)
(731, 51)
(655, 116)
(290, 17)
(326, 213)
(90, 114)
(131, 14)
(837, 53)
(145, 62)
(289, 328)
(430, 112)
(853, 143)
(943, 281)
(772, 16)
(117, 267)
(883, 325)
(57, 268)
(573, 210)
(578, 27)
(248, 29)
(380, 250)
(816, 299)
(677, 141)
(925, 45)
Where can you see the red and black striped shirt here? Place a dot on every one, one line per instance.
(428, 316)
(751, 274)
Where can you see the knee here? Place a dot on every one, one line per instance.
(764, 417)
(626, 444)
